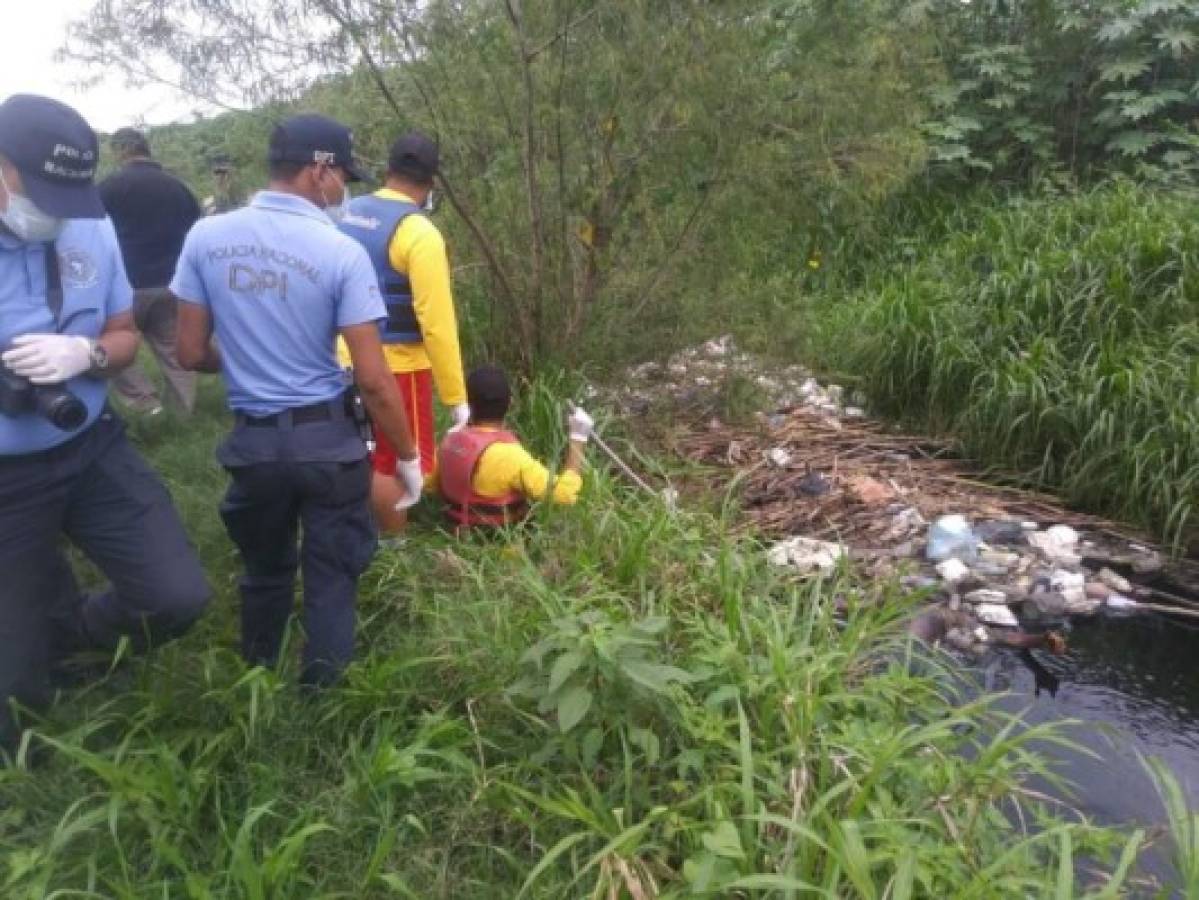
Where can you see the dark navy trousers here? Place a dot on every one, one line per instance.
(96, 491)
(291, 513)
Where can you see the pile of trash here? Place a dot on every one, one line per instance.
(830, 484)
(1014, 574)
(692, 379)
(994, 576)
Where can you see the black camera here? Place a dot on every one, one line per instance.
(19, 395)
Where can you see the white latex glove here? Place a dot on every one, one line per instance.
(411, 478)
(461, 414)
(49, 358)
(580, 424)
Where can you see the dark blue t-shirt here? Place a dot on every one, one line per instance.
(153, 212)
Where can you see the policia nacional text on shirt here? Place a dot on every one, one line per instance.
(278, 283)
(66, 467)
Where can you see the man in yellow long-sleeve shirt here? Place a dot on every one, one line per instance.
(485, 475)
(420, 334)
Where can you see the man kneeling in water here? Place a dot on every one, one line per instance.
(485, 475)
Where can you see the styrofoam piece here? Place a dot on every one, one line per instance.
(806, 556)
(1071, 585)
(996, 614)
(1063, 535)
(953, 570)
(1055, 546)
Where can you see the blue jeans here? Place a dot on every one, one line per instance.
(97, 491)
(266, 508)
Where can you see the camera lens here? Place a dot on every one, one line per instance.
(63, 409)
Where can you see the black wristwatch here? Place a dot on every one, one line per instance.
(99, 358)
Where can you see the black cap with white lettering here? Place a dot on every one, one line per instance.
(55, 151)
(314, 139)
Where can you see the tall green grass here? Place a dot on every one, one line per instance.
(1058, 338)
(1182, 824)
(613, 702)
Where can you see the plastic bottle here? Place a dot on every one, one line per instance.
(951, 537)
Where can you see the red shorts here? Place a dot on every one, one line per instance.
(416, 390)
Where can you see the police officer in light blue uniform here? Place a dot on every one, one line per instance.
(66, 467)
(277, 283)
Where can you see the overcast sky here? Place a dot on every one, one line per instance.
(27, 66)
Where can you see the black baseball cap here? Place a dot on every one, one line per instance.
(55, 151)
(311, 138)
(416, 155)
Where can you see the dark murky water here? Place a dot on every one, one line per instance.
(1134, 684)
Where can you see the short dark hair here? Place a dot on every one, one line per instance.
(130, 140)
(285, 169)
(488, 393)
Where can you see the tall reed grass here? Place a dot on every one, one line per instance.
(1059, 339)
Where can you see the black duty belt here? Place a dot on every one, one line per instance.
(300, 415)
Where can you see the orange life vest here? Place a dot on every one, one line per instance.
(457, 460)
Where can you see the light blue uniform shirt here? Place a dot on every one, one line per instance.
(94, 289)
(279, 280)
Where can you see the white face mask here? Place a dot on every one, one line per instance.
(26, 221)
(339, 210)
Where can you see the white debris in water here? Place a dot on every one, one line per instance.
(1117, 583)
(951, 537)
(986, 595)
(982, 635)
(1000, 558)
(1063, 535)
(1071, 585)
(996, 614)
(1056, 545)
(806, 556)
(953, 570)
